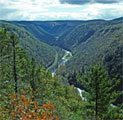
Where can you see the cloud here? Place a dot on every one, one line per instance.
(74, 1)
(54, 10)
(108, 1)
(89, 1)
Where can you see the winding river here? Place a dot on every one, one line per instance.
(67, 56)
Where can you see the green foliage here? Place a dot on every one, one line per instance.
(33, 80)
(101, 92)
(93, 49)
(41, 52)
(48, 31)
(93, 42)
(113, 60)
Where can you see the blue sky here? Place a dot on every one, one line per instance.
(60, 9)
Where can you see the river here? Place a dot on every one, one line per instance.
(67, 56)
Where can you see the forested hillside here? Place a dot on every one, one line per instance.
(28, 90)
(48, 31)
(92, 47)
(41, 52)
(61, 70)
(88, 39)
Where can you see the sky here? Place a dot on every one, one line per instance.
(60, 9)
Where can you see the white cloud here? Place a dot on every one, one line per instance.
(54, 10)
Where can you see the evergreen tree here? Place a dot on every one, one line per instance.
(101, 92)
(13, 62)
(13, 39)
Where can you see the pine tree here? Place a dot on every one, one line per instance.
(13, 61)
(5, 62)
(101, 91)
(13, 39)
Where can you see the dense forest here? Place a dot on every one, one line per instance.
(29, 91)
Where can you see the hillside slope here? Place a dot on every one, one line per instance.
(92, 47)
(48, 31)
(41, 52)
(87, 40)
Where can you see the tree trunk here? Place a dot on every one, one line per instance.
(14, 65)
